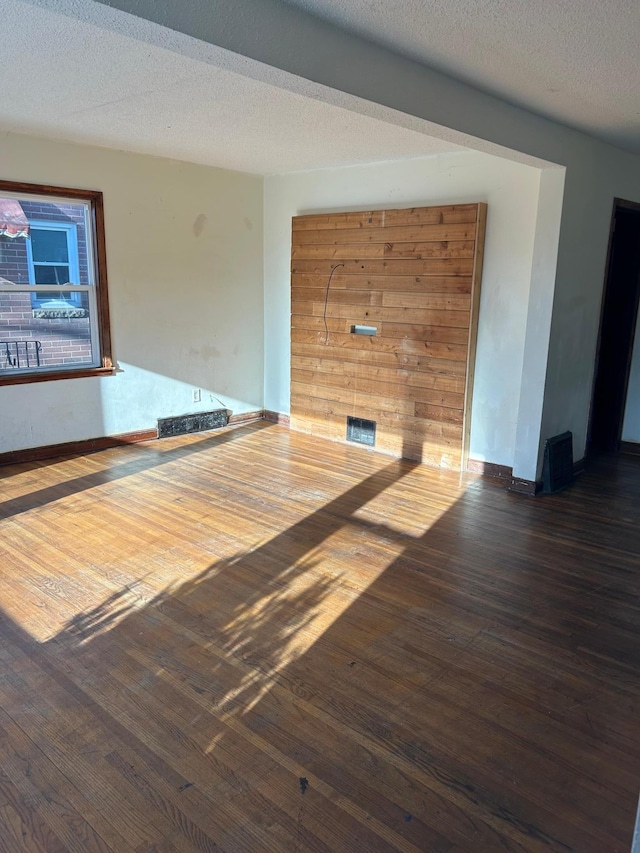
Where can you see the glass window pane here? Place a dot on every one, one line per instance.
(57, 332)
(48, 296)
(49, 245)
(51, 275)
(46, 241)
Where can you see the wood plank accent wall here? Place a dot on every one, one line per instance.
(415, 275)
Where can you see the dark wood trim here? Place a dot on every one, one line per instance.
(276, 418)
(245, 417)
(534, 487)
(95, 200)
(625, 204)
(490, 469)
(75, 448)
(525, 487)
(104, 324)
(54, 375)
(90, 445)
(47, 189)
(630, 447)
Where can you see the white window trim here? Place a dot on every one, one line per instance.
(71, 231)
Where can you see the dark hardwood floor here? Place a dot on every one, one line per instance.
(256, 641)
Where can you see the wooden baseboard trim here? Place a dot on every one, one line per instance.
(579, 467)
(525, 487)
(74, 448)
(91, 445)
(490, 469)
(630, 447)
(245, 417)
(277, 418)
(533, 488)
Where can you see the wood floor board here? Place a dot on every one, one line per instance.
(255, 787)
(262, 641)
(236, 760)
(14, 833)
(78, 752)
(81, 826)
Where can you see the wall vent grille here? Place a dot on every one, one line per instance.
(361, 431)
(557, 470)
(183, 424)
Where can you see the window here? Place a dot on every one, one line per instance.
(54, 314)
(52, 255)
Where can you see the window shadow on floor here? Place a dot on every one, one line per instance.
(446, 669)
(141, 457)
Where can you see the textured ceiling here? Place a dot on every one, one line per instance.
(575, 61)
(136, 96)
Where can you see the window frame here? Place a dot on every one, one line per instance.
(71, 233)
(98, 266)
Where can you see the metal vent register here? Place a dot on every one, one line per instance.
(184, 424)
(361, 431)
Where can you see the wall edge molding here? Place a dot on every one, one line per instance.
(91, 445)
(245, 417)
(534, 487)
(630, 447)
(530, 488)
(75, 448)
(276, 418)
(490, 469)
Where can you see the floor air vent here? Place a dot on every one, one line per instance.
(361, 431)
(557, 471)
(183, 424)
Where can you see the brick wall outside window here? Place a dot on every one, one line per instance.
(64, 342)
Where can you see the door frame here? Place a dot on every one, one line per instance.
(618, 204)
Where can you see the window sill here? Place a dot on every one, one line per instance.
(54, 375)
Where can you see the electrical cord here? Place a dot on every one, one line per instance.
(326, 299)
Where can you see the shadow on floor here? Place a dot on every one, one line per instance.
(470, 686)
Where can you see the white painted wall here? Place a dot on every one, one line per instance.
(511, 191)
(538, 331)
(631, 426)
(592, 182)
(184, 255)
(290, 49)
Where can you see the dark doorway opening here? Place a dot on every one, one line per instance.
(617, 330)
